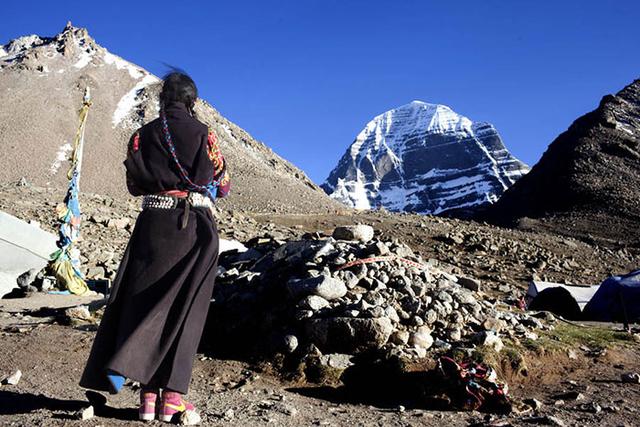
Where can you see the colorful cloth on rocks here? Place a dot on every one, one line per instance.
(474, 386)
(220, 173)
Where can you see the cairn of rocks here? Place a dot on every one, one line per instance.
(352, 292)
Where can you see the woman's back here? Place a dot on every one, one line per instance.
(150, 168)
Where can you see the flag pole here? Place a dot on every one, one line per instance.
(66, 260)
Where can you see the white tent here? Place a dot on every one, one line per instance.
(23, 246)
(581, 293)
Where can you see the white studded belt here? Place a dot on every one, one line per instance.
(160, 201)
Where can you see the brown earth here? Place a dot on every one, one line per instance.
(51, 358)
(503, 259)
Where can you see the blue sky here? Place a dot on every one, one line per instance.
(305, 76)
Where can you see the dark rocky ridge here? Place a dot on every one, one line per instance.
(587, 183)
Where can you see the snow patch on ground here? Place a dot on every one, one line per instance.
(61, 156)
(85, 58)
(227, 129)
(352, 193)
(130, 100)
(121, 64)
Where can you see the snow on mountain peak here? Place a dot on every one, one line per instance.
(426, 158)
(73, 50)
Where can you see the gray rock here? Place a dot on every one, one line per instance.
(422, 338)
(493, 324)
(490, 339)
(454, 334)
(190, 418)
(13, 379)
(290, 343)
(314, 302)
(469, 283)
(351, 279)
(347, 334)
(80, 312)
(430, 317)
(360, 232)
(379, 248)
(336, 360)
(119, 223)
(322, 286)
(399, 337)
(27, 281)
(85, 414)
(392, 314)
(630, 378)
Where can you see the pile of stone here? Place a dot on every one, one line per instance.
(351, 292)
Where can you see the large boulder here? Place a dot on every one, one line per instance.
(322, 286)
(348, 335)
(360, 232)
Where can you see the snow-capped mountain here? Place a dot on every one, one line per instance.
(42, 82)
(424, 158)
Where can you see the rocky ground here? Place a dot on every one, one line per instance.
(573, 371)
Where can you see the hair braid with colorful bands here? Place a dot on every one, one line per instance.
(210, 189)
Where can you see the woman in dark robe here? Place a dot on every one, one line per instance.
(158, 305)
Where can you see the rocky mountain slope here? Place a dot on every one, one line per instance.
(42, 80)
(424, 158)
(587, 183)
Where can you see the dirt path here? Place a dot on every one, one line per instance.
(232, 393)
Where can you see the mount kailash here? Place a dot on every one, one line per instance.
(424, 158)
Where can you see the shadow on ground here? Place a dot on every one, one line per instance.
(388, 384)
(14, 403)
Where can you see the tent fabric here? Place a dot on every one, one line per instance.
(557, 300)
(581, 294)
(617, 299)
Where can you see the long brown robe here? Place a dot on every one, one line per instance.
(155, 315)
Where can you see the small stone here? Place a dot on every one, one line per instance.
(399, 337)
(290, 343)
(80, 312)
(454, 334)
(190, 418)
(360, 232)
(314, 302)
(469, 283)
(534, 403)
(85, 414)
(322, 286)
(592, 407)
(27, 280)
(493, 324)
(120, 223)
(286, 409)
(13, 379)
(351, 279)
(421, 338)
(379, 248)
(490, 339)
(336, 360)
(570, 395)
(630, 378)
(229, 414)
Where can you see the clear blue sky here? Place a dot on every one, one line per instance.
(304, 76)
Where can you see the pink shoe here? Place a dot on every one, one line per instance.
(147, 411)
(172, 404)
